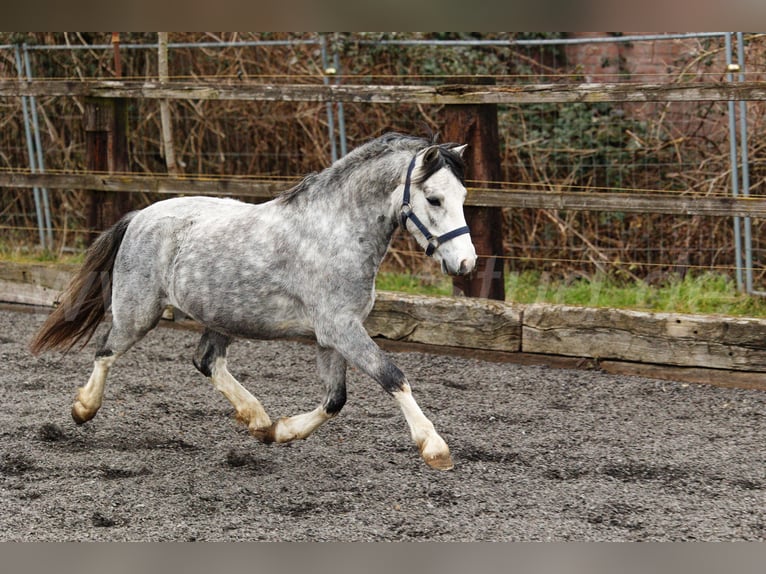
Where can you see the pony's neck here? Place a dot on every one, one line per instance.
(370, 201)
(357, 199)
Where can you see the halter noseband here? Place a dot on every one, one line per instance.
(407, 213)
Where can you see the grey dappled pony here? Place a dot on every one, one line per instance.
(302, 264)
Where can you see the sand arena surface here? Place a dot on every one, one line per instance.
(540, 454)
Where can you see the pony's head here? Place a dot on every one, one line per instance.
(432, 207)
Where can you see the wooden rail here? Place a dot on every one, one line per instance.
(147, 183)
(446, 94)
(667, 203)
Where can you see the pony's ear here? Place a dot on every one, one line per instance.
(431, 154)
(459, 149)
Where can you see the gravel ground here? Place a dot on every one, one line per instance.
(540, 454)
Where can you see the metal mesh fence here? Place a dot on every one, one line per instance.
(661, 147)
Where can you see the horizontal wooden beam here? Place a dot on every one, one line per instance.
(457, 322)
(392, 94)
(667, 203)
(726, 343)
(147, 183)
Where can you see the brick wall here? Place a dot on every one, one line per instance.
(642, 61)
(655, 61)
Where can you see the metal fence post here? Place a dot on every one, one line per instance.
(30, 150)
(745, 166)
(341, 116)
(39, 150)
(734, 166)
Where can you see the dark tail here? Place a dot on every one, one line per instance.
(83, 304)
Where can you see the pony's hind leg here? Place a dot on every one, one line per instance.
(332, 371)
(210, 360)
(130, 322)
(90, 396)
(117, 341)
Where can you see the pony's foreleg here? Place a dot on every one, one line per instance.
(332, 371)
(90, 396)
(360, 350)
(210, 360)
(433, 448)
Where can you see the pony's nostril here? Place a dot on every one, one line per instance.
(467, 265)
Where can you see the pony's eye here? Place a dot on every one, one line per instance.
(435, 201)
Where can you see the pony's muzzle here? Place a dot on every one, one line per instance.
(464, 267)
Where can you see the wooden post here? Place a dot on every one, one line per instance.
(107, 152)
(167, 127)
(476, 125)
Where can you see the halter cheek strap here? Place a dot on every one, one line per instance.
(407, 213)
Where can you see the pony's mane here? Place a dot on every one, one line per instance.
(386, 144)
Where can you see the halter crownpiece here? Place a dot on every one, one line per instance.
(407, 213)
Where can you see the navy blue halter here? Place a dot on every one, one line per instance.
(407, 213)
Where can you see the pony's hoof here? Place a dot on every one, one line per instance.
(436, 453)
(254, 421)
(80, 414)
(263, 434)
(440, 461)
(278, 432)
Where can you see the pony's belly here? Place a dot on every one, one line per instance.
(270, 319)
(264, 330)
